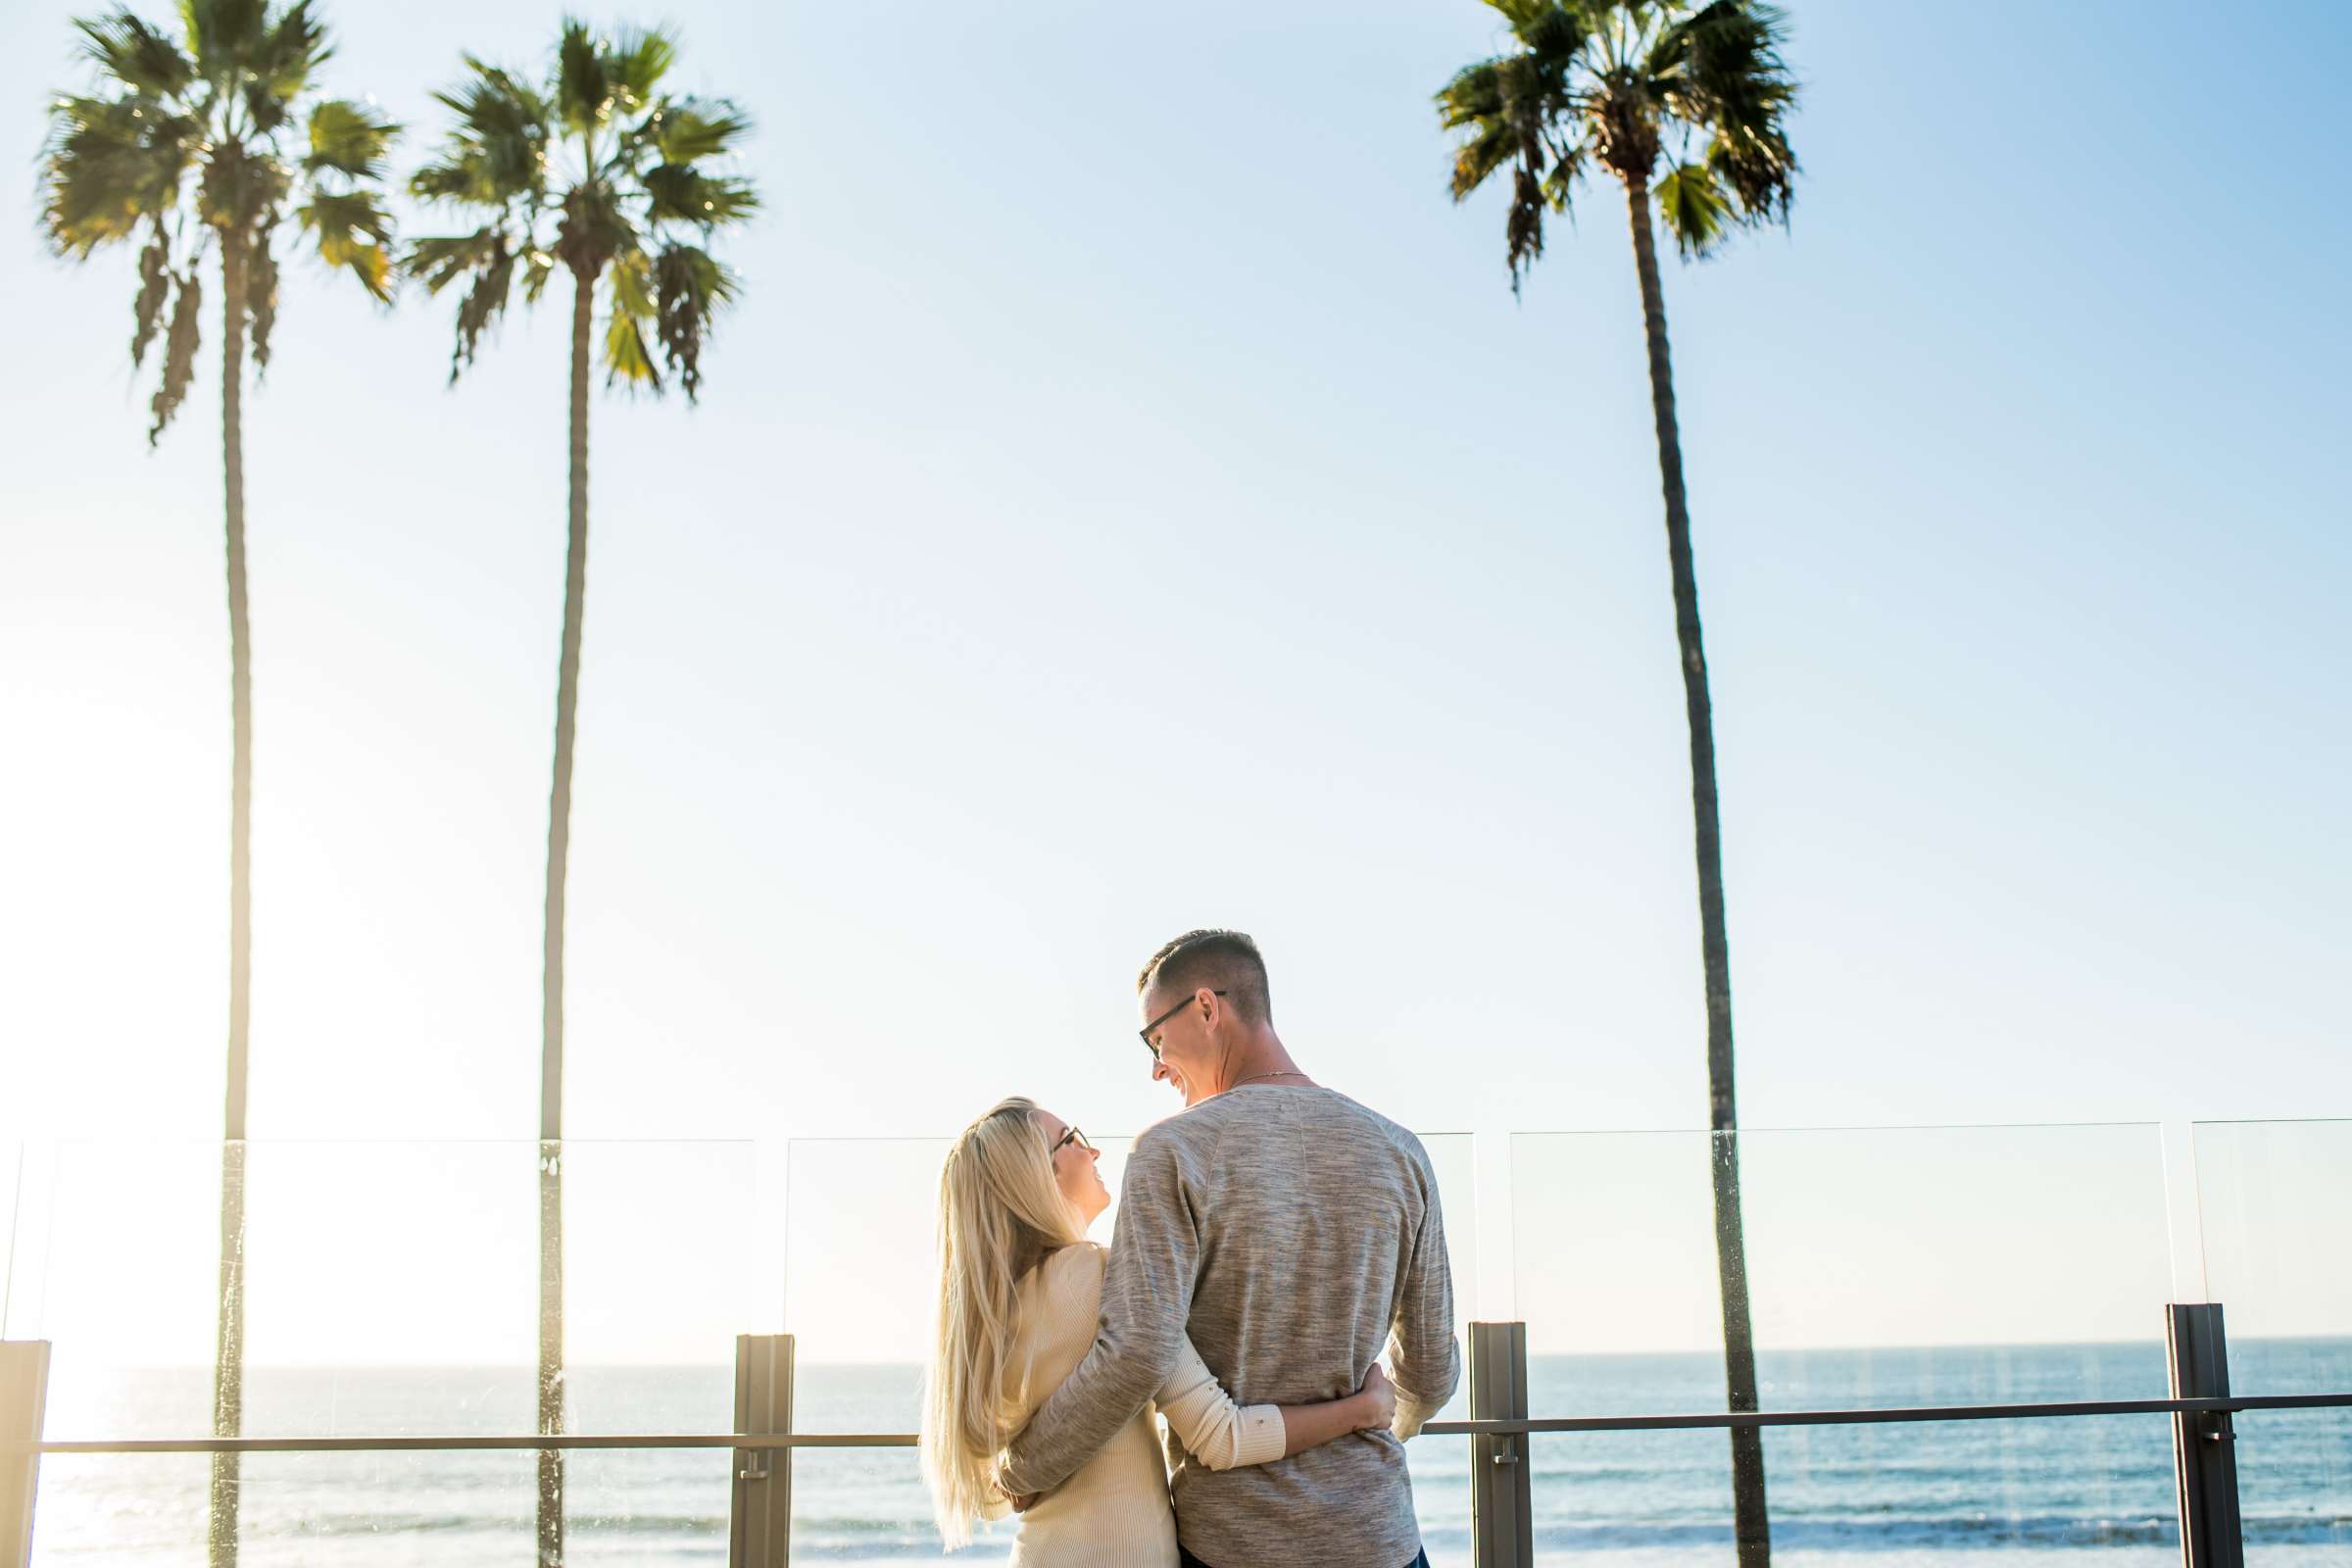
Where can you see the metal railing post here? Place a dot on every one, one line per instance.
(23, 1394)
(1501, 1494)
(2204, 1442)
(759, 1527)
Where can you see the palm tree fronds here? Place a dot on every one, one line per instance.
(594, 228)
(487, 256)
(681, 195)
(494, 104)
(451, 179)
(583, 96)
(1695, 207)
(134, 54)
(497, 155)
(439, 261)
(223, 35)
(286, 57)
(1479, 156)
(1758, 168)
(633, 284)
(109, 166)
(618, 215)
(353, 230)
(260, 290)
(155, 286)
(537, 267)
(1554, 33)
(1720, 69)
(239, 185)
(1559, 186)
(179, 354)
(482, 304)
(685, 130)
(1523, 226)
(690, 288)
(625, 356)
(1472, 96)
(347, 139)
(277, 63)
(1512, 109)
(635, 62)
(1720, 45)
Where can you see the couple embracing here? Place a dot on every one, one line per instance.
(1274, 1238)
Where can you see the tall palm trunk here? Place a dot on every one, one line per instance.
(228, 1356)
(1750, 1523)
(559, 855)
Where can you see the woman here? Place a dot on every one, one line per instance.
(1018, 1293)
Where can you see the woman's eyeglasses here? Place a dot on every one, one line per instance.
(1069, 1135)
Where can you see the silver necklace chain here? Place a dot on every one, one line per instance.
(1287, 1072)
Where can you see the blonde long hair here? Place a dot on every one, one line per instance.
(1001, 1211)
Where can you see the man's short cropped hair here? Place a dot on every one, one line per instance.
(1219, 960)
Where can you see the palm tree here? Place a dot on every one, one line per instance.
(1626, 84)
(599, 173)
(210, 142)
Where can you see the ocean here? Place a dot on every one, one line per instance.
(1895, 1495)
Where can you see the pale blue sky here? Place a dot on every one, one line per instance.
(1129, 498)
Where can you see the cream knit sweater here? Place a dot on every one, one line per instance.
(1115, 1512)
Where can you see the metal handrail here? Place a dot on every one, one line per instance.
(568, 1440)
(907, 1440)
(1922, 1412)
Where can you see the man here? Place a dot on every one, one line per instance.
(1292, 1232)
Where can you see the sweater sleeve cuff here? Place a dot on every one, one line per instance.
(1260, 1435)
(1411, 1411)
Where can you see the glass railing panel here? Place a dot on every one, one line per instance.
(1869, 1253)
(664, 1253)
(1913, 1494)
(2294, 1485)
(11, 1184)
(868, 1506)
(2272, 1199)
(661, 1257)
(668, 1251)
(118, 1268)
(393, 1288)
(390, 1287)
(646, 1507)
(138, 1510)
(337, 1510)
(1886, 1268)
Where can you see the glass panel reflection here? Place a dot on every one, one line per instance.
(2294, 1485)
(2270, 1202)
(1910, 1494)
(1866, 1251)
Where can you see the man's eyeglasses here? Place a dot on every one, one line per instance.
(1153, 1028)
(1069, 1135)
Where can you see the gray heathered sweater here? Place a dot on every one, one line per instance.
(1294, 1234)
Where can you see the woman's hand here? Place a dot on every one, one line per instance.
(1019, 1502)
(1376, 1399)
